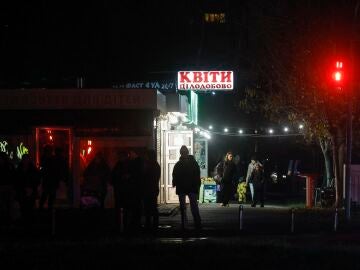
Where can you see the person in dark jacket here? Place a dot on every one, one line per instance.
(257, 179)
(186, 179)
(122, 190)
(27, 182)
(136, 178)
(152, 174)
(96, 177)
(49, 177)
(228, 177)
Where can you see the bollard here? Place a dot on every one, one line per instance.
(241, 208)
(336, 220)
(292, 220)
(53, 221)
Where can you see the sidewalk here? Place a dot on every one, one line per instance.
(217, 221)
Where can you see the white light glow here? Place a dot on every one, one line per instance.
(286, 129)
(301, 126)
(210, 127)
(271, 131)
(226, 129)
(241, 131)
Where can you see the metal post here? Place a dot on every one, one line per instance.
(336, 220)
(292, 220)
(348, 159)
(241, 208)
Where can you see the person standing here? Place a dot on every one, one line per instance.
(152, 174)
(136, 180)
(186, 180)
(49, 178)
(122, 189)
(27, 182)
(229, 174)
(96, 177)
(257, 180)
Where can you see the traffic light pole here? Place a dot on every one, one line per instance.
(348, 159)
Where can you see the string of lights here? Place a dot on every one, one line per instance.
(258, 133)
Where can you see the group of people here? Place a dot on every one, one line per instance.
(135, 180)
(230, 178)
(21, 184)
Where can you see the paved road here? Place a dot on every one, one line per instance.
(217, 221)
(91, 240)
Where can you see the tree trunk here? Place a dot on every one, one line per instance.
(338, 164)
(329, 175)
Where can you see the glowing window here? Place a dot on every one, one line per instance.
(214, 17)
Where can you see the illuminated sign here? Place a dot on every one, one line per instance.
(205, 80)
(20, 150)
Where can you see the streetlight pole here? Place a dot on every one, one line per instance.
(348, 158)
(349, 117)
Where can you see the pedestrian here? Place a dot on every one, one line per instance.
(136, 180)
(120, 176)
(186, 179)
(27, 182)
(96, 177)
(228, 178)
(250, 169)
(49, 177)
(152, 174)
(218, 174)
(258, 181)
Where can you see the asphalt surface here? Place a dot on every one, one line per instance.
(91, 239)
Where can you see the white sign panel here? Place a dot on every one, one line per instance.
(205, 80)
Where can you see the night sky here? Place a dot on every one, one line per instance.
(49, 44)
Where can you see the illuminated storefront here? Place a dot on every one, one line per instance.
(81, 122)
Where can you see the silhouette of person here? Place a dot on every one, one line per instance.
(27, 182)
(152, 174)
(96, 177)
(49, 178)
(136, 179)
(186, 179)
(229, 174)
(120, 176)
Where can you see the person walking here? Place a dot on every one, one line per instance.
(186, 180)
(228, 178)
(152, 174)
(250, 169)
(257, 180)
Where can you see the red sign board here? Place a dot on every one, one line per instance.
(205, 80)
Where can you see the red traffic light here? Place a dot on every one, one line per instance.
(338, 74)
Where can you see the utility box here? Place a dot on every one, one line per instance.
(311, 179)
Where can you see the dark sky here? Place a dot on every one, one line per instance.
(51, 43)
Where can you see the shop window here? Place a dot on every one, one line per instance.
(214, 18)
